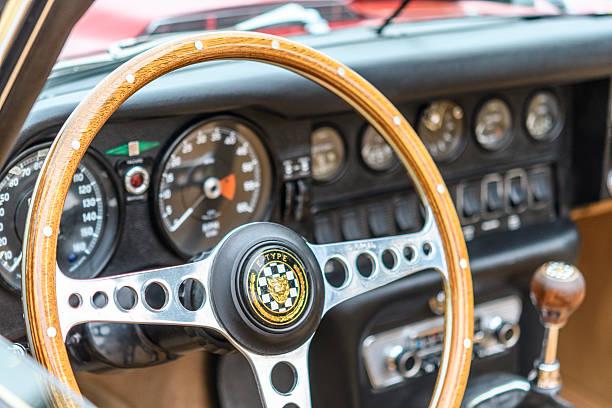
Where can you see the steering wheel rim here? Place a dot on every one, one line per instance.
(45, 331)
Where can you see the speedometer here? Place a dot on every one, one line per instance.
(215, 177)
(89, 223)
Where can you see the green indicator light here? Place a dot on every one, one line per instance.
(132, 148)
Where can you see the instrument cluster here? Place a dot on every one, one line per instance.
(219, 174)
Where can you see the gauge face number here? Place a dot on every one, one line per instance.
(327, 153)
(543, 118)
(376, 152)
(216, 177)
(440, 127)
(86, 225)
(493, 128)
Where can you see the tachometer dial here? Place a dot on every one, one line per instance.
(543, 118)
(215, 177)
(89, 224)
(493, 128)
(441, 129)
(327, 153)
(376, 152)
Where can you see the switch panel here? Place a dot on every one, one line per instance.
(414, 350)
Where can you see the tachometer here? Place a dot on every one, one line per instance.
(89, 224)
(214, 178)
(441, 129)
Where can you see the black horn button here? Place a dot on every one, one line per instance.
(267, 288)
(275, 289)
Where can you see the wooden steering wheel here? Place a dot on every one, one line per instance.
(235, 277)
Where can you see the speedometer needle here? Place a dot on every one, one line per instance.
(186, 214)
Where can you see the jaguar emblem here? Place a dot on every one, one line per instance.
(277, 286)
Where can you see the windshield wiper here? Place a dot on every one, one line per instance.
(312, 20)
(389, 19)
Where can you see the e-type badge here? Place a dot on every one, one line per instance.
(277, 287)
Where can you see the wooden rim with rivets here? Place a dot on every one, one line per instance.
(39, 263)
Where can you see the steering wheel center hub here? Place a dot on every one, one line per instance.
(275, 289)
(267, 288)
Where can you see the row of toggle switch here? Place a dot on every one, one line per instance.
(498, 201)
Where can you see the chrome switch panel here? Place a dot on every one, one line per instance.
(414, 350)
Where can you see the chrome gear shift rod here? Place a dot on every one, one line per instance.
(557, 290)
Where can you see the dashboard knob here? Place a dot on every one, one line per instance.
(557, 289)
(405, 362)
(508, 334)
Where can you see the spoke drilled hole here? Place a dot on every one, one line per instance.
(156, 296)
(365, 265)
(283, 377)
(388, 259)
(335, 272)
(291, 405)
(75, 301)
(99, 300)
(126, 298)
(191, 294)
(428, 249)
(410, 253)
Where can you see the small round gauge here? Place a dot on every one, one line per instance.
(543, 118)
(493, 125)
(327, 153)
(376, 152)
(441, 129)
(215, 177)
(89, 224)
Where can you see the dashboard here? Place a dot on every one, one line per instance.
(510, 121)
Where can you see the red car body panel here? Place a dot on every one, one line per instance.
(110, 21)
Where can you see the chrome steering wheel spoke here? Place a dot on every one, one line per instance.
(148, 297)
(280, 283)
(283, 380)
(390, 258)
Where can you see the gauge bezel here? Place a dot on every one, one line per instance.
(266, 203)
(391, 169)
(343, 166)
(557, 129)
(508, 140)
(464, 130)
(91, 155)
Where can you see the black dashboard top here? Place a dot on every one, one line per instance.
(411, 61)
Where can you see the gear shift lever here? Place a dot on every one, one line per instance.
(557, 289)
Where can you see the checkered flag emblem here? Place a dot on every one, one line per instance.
(277, 272)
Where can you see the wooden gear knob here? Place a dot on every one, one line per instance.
(557, 289)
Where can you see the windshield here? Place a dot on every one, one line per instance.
(111, 24)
